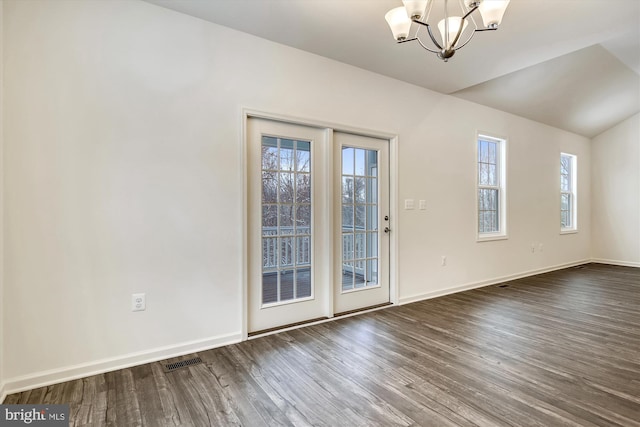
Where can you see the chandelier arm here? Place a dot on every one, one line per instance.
(428, 14)
(470, 12)
(455, 40)
(475, 24)
(420, 42)
(425, 47)
(468, 40)
(433, 39)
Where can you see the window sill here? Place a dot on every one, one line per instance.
(491, 237)
(569, 231)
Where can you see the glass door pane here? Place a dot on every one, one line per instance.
(286, 220)
(359, 218)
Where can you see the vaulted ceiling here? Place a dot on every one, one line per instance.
(572, 64)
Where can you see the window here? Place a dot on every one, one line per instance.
(491, 188)
(359, 218)
(568, 221)
(286, 219)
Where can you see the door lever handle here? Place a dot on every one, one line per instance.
(387, 230)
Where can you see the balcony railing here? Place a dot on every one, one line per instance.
(294, 255)
(289, 254)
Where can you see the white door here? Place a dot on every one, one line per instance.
(288, 265)
(361, 255)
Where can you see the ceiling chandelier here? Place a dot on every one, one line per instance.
(452, 27)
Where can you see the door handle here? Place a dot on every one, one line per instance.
(387, 230)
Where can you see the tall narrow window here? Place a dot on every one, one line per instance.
(568, 221)
(491, 188)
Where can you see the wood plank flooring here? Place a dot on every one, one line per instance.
(557, 349)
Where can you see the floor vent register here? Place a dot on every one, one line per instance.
(170, 367)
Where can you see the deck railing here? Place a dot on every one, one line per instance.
(289, 256)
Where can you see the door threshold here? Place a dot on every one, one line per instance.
(290, 325)
(357, 310)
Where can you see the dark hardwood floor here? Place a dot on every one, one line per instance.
(557, 349)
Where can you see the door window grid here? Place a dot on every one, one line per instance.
(567, 192)
(286, 220)
(359, 218)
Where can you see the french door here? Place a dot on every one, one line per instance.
(317, 203)
(361, 278)
(286, 167)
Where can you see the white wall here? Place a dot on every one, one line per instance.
(2, 299)
(437, 163)
(615, 182)
(123, 174)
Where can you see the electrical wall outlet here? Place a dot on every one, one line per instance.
(422, 205)
(444, 261)
(138, 302)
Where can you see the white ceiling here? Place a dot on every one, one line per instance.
(572, 64)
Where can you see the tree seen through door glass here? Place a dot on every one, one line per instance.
(286, 219)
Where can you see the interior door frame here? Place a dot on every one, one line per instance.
(248, 113)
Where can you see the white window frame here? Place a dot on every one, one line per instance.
(573, 194)
(501, 234)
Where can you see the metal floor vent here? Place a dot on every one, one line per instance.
(579, 267)
(182, 364)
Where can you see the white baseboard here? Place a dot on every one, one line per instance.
(68, 373)
(616, 262)
(489, 282)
